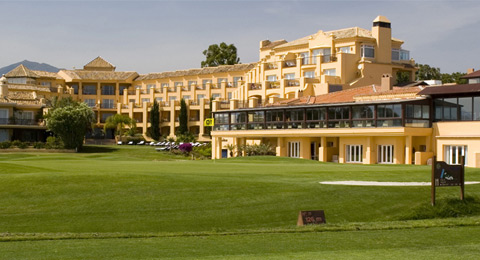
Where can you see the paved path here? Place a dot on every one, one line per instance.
(379, 183)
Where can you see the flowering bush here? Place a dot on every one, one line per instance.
(185, 148)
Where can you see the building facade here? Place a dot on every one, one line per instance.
(317, 64)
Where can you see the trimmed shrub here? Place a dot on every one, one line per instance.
(54, 143)
(16, 143)
(22, 145)
(5, 145)
(185, 148)
(39, 145)
(203, 152)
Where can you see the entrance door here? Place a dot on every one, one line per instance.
(385, 154)
(224, 153)
(313, 150)
(354, 153)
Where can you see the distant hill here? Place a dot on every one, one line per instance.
(31, 65)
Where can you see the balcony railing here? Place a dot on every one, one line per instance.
(271, 66)
(255, 86)
(328, 58)
(292, 83)
(108, 106)
(18, 121)
(273, 84)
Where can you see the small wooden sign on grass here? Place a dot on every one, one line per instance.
(311, 217)
(444, 175)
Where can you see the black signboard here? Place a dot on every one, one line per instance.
(311, 217)
(448, 175)
(444, 175)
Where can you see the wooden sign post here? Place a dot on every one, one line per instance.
(444, 175)
(311, 217)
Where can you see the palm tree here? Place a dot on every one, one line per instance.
(118, 122)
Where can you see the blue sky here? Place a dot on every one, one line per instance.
(154, 36)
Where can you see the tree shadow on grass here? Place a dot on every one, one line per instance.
(98, 149)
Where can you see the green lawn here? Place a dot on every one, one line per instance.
(134, 202)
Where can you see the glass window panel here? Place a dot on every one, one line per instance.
(425, 111)
(466, 108)
(417, 111)
(476, 108)
(409, 111)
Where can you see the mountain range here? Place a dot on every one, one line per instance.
(31, 65)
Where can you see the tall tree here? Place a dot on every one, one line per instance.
(425, 72)
(183, 118)
(70, 120)
(222, 54)
(155, 121)
(118, 122)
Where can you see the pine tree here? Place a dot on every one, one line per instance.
(155, 121)
(183, 118)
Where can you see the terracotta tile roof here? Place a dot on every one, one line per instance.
(100, 75)
(21, 72)
(47, 74)
(367, 93)
(475, 74)
(99, 62)
(20, 97)
(202, 71)
(451, 89)
(338, 34)
(274, 44)
(29, 87)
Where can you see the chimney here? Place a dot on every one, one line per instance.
(471, 70)
(387, 83)
(264, 43)
(382, 32)
(3, 87)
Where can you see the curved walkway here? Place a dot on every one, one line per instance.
(380, 183)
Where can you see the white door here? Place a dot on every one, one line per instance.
(354, 153)
(454, 153)
(385, 154)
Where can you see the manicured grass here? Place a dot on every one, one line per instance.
(133, 191)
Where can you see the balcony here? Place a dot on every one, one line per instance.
(290, 63)
(328, 58)
(194, 119)
(18, 121)
(308, 60)
(255, 86)
(108, 106)
(273, 84)
(292, 83)
(165, 119)
(271, 66)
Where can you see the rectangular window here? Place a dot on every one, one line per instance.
(330, 72)
(354, 153)
(256, 120)
(105, 116)
(178, 84)
(108, 90)
(159, 99)
(165, 85)
(145, 100)
(344, 49)
(4, 135)
(75, 89)
(363, 116)
(192, 83)
(476, 108)
(3, 116)
(89, 90)
(453, 153)
(238, 120)
(150, 87)
(187, 97)
(316, 117)
(172, 98)
(229, 94)
(399, 54)
(221, 121)
(466, 108)
(220, 80)
(367, 51)
(289, 76)
(200, 96)
(236, 81)
(90, 102)
(272, 78)
(385, 154)
(205, 82)
(338, 117)
(46, 83)
(294, 149)
(305, 58)
(122, 89)
(216, 95)
(108, 103)
(309, 74)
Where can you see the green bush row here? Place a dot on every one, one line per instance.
(52, 143)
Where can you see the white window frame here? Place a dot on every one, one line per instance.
(330, 72)
(364, 47)
(354, 153)
(453, 153)
(309, 74)
(385, 154)
(293, 149)
(271, 78)
(289, 76)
